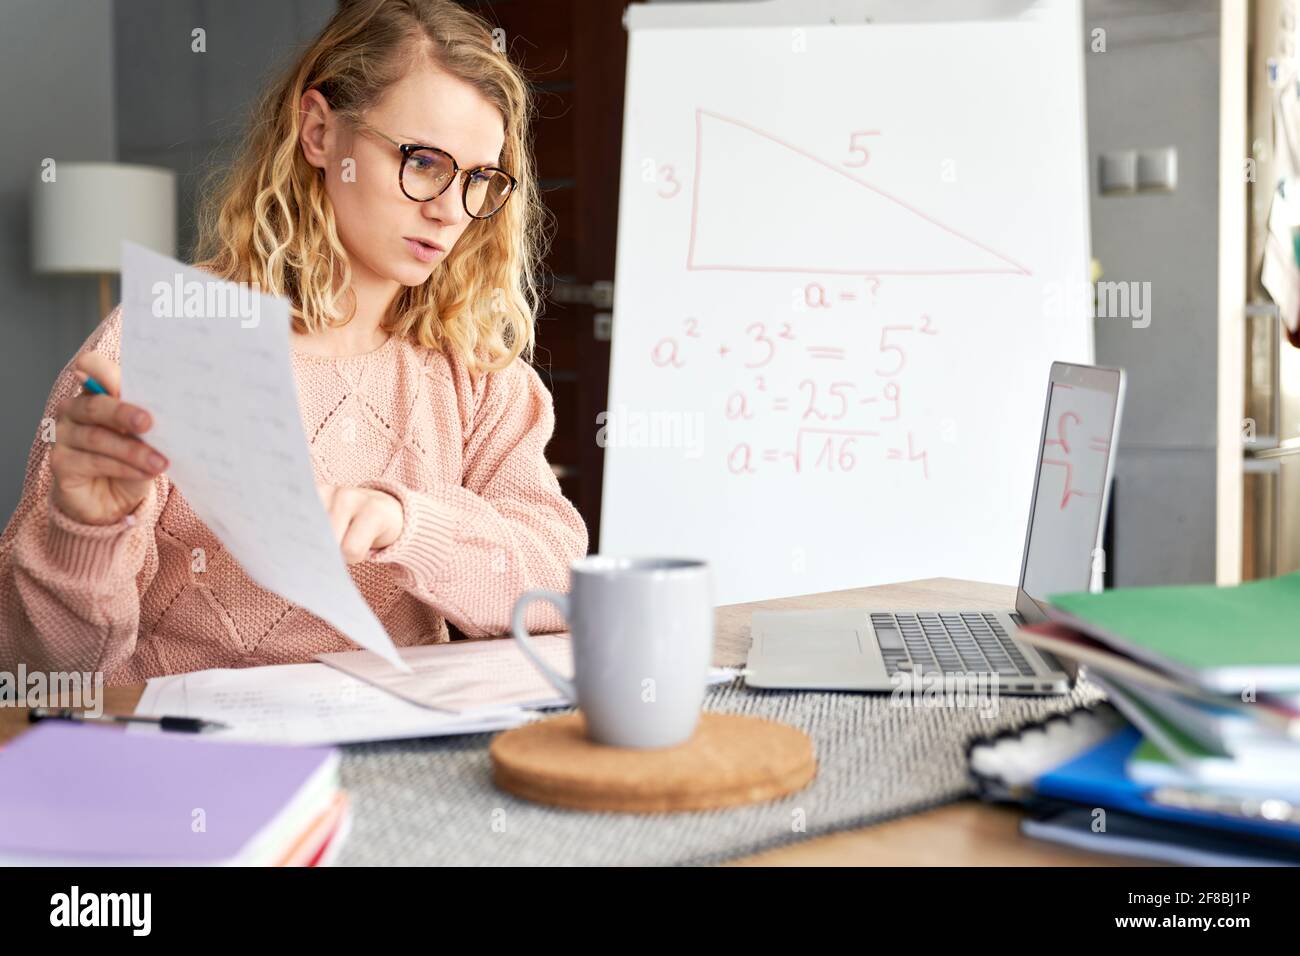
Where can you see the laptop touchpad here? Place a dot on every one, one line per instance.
(838, 642)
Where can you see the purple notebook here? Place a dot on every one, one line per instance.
(77, 793)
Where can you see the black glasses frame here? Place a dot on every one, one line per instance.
(408, 148)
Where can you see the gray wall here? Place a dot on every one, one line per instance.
(56, 71)
(192, 120)
(112, 81)
(1157, 85)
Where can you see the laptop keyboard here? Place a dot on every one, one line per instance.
(950, 643)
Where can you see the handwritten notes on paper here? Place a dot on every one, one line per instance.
(474, 677)
(210, 361)
(857, 355)
(305, 704)
(466, 676)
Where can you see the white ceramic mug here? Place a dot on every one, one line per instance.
(642, 645)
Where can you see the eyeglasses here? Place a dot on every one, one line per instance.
(427, 171)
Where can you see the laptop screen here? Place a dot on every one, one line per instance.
(1070, 493)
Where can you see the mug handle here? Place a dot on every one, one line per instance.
(561, 604)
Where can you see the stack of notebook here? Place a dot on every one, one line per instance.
(1072, 772)
(1209, 679)
(83, 795)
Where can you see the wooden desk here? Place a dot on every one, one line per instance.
(964, 833)
(967, 833)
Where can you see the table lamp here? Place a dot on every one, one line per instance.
(80, 218)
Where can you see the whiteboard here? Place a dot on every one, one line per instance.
(847, 255)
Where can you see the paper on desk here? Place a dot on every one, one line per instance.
(474, 677)
(221, 390)
(303, 704)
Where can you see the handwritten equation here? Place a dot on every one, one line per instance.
(830, 403)
(1081, 459)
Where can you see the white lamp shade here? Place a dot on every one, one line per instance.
(80, 219)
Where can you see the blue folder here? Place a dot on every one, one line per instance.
(1098, 778)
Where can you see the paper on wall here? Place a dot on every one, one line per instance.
(1279, 274)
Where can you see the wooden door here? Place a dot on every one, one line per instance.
(575, 53)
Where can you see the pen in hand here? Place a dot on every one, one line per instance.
(102, 466)
(184, 725)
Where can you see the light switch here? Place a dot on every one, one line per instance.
(1158, 170)
(1117, 172)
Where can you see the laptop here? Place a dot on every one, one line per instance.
(861, 649)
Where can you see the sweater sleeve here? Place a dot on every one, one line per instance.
(70, 592)
(470, 550)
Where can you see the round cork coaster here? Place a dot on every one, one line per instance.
(730, 761)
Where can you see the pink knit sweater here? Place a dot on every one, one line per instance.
(484, 520)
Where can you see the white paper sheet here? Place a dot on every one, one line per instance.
(1279, 274)
(212, 365)
(304, 704)
(474, 677)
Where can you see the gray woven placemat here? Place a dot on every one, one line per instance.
(432, 802)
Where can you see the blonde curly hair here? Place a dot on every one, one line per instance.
(268, 221)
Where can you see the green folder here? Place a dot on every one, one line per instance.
(1228, 639)
(1169, 756)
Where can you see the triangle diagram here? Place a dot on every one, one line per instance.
(761, 204)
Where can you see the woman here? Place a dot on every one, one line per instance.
(387, 190)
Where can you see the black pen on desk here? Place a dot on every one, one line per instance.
(183, 725)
